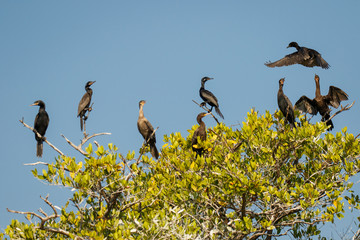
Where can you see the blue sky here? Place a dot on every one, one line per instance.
(157, 51)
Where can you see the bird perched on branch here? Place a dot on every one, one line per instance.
(147, 130)
(85, 103)
(285, 104)
(304, 56)
(209, 97)
(41, 123)
(199, 132)
(321, 103)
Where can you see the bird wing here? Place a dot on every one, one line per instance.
(305, 104)
(290, 59)
(209, 97)
(335, 96)
(321, 62)
(84, 102)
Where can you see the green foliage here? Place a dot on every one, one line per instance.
(262, 179)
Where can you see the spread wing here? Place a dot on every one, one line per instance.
(335, 96)
(307, 105)
(290, 59)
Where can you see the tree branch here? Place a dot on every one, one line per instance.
(39, 135)
(208, 110)
(83, 141)
(347, 107)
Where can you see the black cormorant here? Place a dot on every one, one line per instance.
(147, 130)
(285, 104)
(304, 56)
(85, 103)
(40, 125)
(321, 103)
(199, 132)
(209, 97)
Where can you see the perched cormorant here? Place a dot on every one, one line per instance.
(304, 56)
(321, 103)
(199, 132)
(147, 130)
(285, 105)
(85, 103)
(40, 125)
(209, 97)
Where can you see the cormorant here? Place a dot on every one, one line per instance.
(40, 125)
(147, 130)
(209, 97)
(304, 56)
(285, 104)
(85, 103)
(199, 132)
(321, 103)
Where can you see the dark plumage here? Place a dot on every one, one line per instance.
(199, 132)
(321, 103)
(85, 103)
(209, 97)
(285, 104)
(147, 130)
(40, 125)
(304, 56)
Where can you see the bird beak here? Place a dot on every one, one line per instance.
(92, 83)
(34, 104)
(210, 78)
(207, 114)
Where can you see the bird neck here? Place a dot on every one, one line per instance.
(280, 87)
(88, 90)
(317, 91)
(41, 107)
(141, 112)
(203, 85)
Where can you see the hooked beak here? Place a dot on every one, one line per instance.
(92, 83)
(34, 104)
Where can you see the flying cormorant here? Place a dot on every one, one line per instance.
(304, 56)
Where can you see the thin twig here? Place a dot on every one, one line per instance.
(208, 110)
(89, 109)
(74, 146)
(83, 141)
(347, 107)
(39, 135)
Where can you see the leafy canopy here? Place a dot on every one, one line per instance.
(265, 179)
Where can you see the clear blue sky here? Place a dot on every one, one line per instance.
(157, 51)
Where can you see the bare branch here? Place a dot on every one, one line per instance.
(46, 218)
(83, 141)
(347, 107)
(208, 110)
(74, 146)
(39, 135)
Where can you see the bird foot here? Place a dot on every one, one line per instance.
(202, 104)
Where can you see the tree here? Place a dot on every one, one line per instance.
(263, 180)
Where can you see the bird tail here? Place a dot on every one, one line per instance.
(39, 148)
(217, 109)
(154, 151)
(328, 122)
(81, 123)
